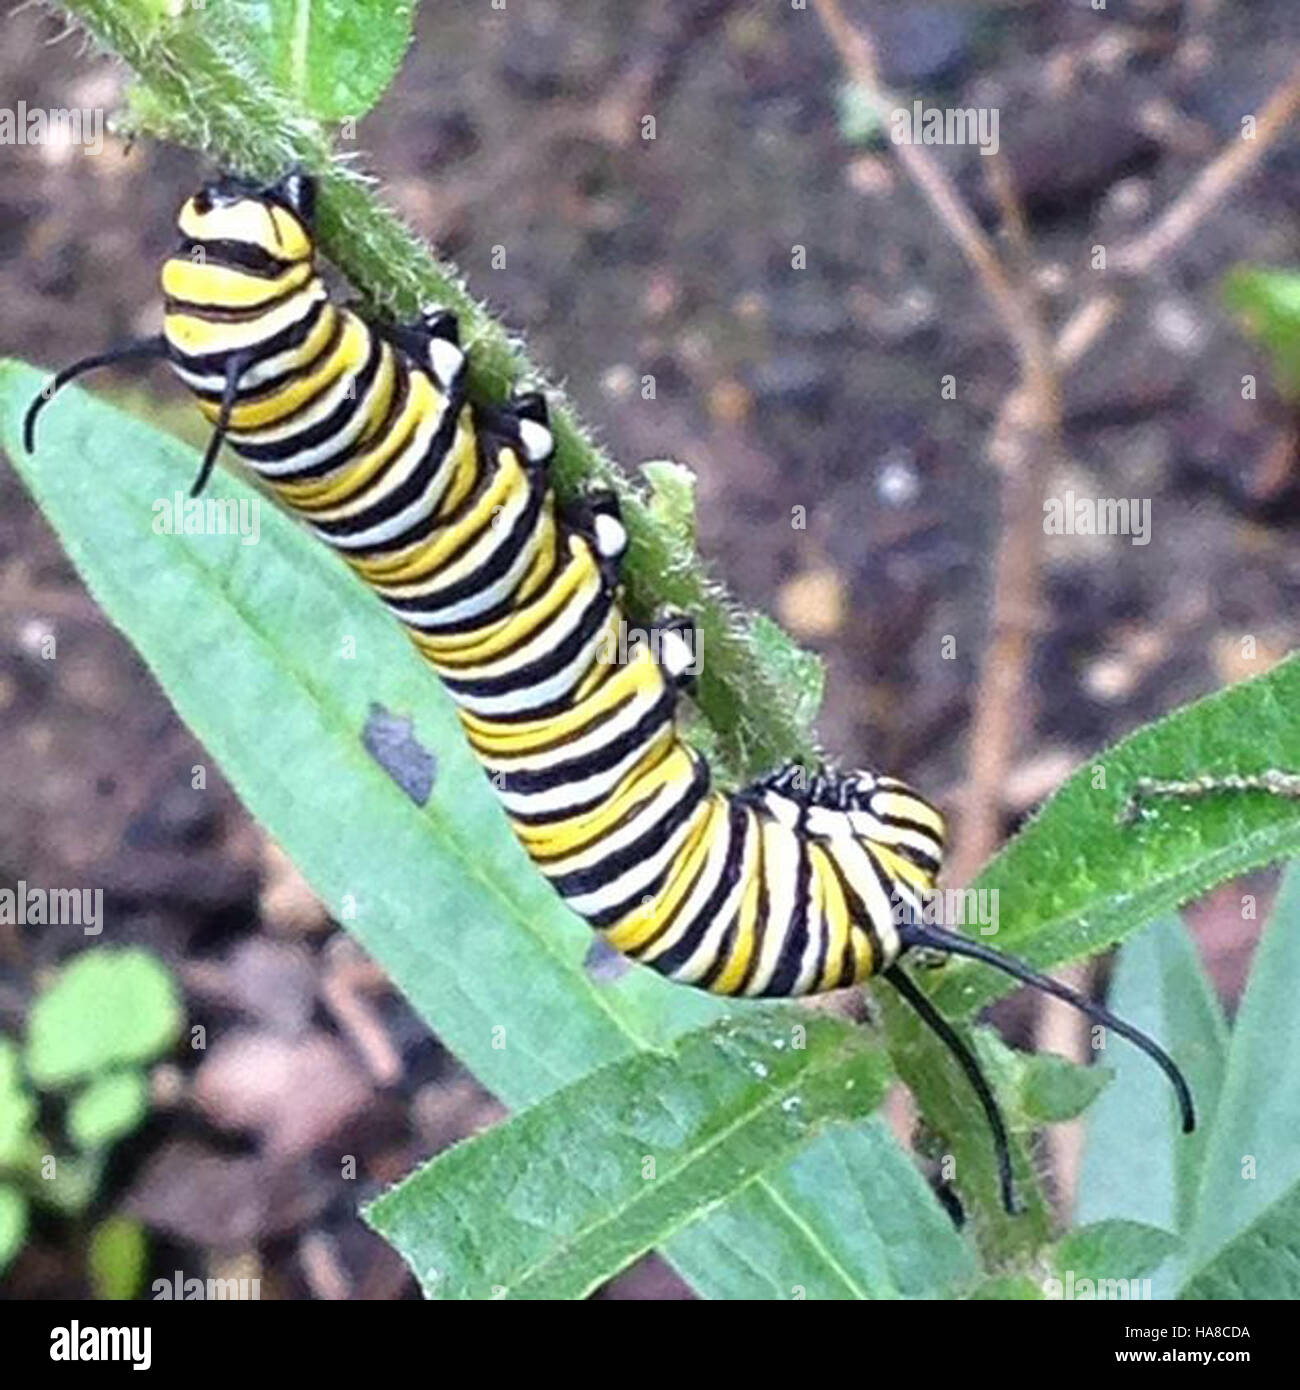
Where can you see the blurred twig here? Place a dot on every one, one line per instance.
(1026, 438)
(1022, 447)
(1089, 323)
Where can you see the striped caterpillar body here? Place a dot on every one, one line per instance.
(795, 885)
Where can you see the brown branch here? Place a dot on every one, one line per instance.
(1023, 447)
(857, 52)
(1089, 323)
(1026, 439)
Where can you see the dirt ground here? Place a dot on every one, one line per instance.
(817, 388)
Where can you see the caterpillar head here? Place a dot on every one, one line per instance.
(860, 805)
(275, 220)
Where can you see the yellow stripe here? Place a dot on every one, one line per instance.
(322, 494)
(835, 911)
(262, 224)
(296, 392)
(575, 584)
(742, 948)
(226, 287)
(652, 771)
(200, 337)
(641, 926)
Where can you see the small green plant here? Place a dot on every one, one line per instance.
(1267, 301)
(92, 1030)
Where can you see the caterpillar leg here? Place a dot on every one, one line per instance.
(1272, 782)
(677, 642)
(598, 516)
(525, 420)
(433, 340)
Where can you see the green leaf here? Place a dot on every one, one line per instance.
(803, 671)
(1109, 1250)
(1137, 1162)
(118, 1258)
(441, 895)
(105, 1008)
(1245, 1239)
(1261, 1260)
(1037, 1087)
(672, 497)
(17, 1107)
(1076, 880)
(335, 58)
(557, 1200)
(868, 1226)
(1053, 1089)
(13, 1224)
(73, 1184)
(1268, 302)
(110, 1106)
(1016, 1288)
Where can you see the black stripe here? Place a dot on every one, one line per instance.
(282, 450)
(859, 916)
(234, 255)
(786, 974)
(520, 678)
(647, 844)
(398, 498)
(601, 759)
(225, 313)
(214, 363)
(683, 949)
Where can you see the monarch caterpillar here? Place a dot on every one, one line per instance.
(794, 885)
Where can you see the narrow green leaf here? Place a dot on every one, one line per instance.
(1138, 1165)
(1037, 1087)
(111, 1106)
(1053, 1089)
(555, 1201)
(1268, 302)
(1246, 1231)
(1260, 1262)
(334, 57)
(1076, 880)
(106, 1007)
(252, 644)
(441, 895)
(1109, 1250)
(866, 1225)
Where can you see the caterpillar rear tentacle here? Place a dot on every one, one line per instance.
(794, 885)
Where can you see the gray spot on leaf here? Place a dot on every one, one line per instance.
(389, 740)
